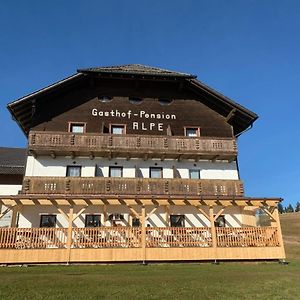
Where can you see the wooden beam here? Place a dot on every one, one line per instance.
(69, 236)
(143, 223)
(8, 209)
(219, 213)
(268, 213)
(231, 115)
(203, 212)
(133, 211)
(14, 215)
(79, 213)
(151, 212)
(213, 228)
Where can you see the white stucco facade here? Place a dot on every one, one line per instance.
(47, 166)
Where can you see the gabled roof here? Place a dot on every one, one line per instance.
(136, 69)
(12, 160)
(240, 117)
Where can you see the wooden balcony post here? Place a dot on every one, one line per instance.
(14, 217)
(276, 217)
(213, 228)
(69, 235)
(143, 223)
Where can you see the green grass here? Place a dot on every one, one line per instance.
(164, 281)
(168, 281)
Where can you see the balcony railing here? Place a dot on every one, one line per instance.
(64, 143)
(106, 186)
(131, 237)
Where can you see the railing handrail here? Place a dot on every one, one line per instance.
(132, 186)
(131, 135)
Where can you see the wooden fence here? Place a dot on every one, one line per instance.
(33, 238)
(247, 237)
(158, 237)
(131, 237)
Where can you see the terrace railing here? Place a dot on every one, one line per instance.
(131, 145)
(131, 237)
(131, 186)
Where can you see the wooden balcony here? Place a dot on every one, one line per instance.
(137, 244)
(127, 146)
(131, 237)
(132, 187)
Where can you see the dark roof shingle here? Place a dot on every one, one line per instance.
(12, 160)
(137, 69)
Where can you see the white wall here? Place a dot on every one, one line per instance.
(7, 190)
(47, 166)
(30, 216)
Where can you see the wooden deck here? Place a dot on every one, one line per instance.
(127, 146)
(132, 186)
(117, 244)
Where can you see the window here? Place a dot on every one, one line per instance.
(136, 222)
(92, 221)
(165, 101)
(117, 129)
(195, 174)
(73, 171)
(77, 127)
(155, 172)
(177, 220)
(220, 222)
(135, 100)
(48, 221)
(116, 217)
(192, 131)
(105, 98)
(115, 172)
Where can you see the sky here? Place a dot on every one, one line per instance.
(247, 50)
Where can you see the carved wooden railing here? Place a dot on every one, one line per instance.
(45, 142)
(131, 186)
(33, 238)
(131, 237)
(178, 237)
(247, 237)
(107, 237)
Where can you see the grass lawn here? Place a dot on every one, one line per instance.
(164, 281)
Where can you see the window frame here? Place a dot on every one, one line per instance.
(48, 215)
(76, 166)
(186, 128)
(70, 124)
(137, 224)
(161, 172)
(111, 125)
(182, 220)
(198, 170)
(93, 215)
(217, 223)
(115, 167)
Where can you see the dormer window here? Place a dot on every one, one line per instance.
(165, 101)
(77, 127)
(135, 100)
(105, 98)
(117, 129)
(192, 131)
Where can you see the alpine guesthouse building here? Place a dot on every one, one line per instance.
(134, 163)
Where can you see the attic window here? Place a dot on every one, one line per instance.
(105, 98)
(135, 100)
(165, 101)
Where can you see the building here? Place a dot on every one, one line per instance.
(12, 169)
(134, 163)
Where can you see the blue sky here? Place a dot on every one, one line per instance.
(248, 50)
